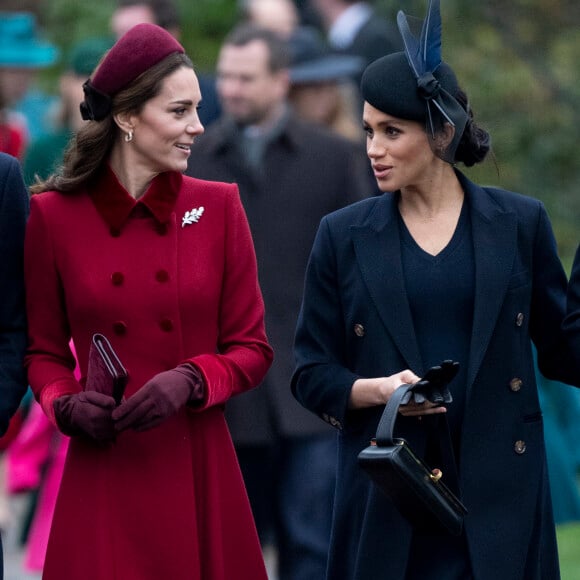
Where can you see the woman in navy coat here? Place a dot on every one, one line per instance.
(436, 268)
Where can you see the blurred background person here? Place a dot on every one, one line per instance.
(22, 106)
(13, 215)
(127, 13)
(34, 465)
(281, 16)
(321, 86)
(290, 173)
(355, 28)
(561, 409)
(44, 155)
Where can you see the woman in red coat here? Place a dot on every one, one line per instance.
(121, 243)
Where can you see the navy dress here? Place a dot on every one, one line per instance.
(441, 290)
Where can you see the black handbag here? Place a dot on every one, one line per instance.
(417, 491)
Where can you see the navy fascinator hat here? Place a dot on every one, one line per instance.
(416, 84)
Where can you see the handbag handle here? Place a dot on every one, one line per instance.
(439, 375)
(386, 426)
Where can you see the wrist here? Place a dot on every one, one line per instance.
(367, 393)
(194, 381)
(52, 392)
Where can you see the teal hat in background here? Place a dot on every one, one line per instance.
(20, 44)
(86, 54)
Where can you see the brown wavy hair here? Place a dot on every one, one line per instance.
(89, 150)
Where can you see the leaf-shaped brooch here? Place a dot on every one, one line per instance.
(192, 216)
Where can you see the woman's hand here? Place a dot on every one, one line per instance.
(87, 414)
(371, 392)
(159, 398)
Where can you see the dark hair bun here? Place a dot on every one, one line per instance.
(475, 142)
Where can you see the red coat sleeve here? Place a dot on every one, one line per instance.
(48, 353)
(244, 355)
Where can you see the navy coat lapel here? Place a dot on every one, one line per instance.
(494, 244)
(377, 247)
(378, 251)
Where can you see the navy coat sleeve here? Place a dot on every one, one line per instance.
(572, 321)
(14, 205)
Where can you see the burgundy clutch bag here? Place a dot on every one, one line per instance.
(105, 373)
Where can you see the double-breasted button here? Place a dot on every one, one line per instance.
(166, 324)
(161, 229)
(115, 232)
(520, 447)
(162, 276)
(117, 278)
(335, 422)
(359, 330)
(516, 384)
(519, 319)
(119, 328)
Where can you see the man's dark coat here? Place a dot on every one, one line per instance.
(306, 173)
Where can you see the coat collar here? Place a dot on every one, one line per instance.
(224, 134)
(115, 204)
(378, 250)
(377, 247)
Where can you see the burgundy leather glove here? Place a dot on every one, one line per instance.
(86, 414)
(159, 398)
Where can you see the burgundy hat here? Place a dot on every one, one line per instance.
(136, 51)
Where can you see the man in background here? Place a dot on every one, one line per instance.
(354, 27)
(290, 173)
(164, 13)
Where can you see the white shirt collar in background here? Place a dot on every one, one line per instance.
(346, 26)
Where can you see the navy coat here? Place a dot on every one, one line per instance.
(13, 215)
(356, 322)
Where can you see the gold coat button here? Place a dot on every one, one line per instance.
(359, 330)
(520, 447)
(516, 384)
(519, 319)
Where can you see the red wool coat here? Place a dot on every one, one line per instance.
(169, 502)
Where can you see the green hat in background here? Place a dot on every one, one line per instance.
(20, 45)
(86, 54)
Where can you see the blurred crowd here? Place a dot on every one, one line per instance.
(286, 453)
